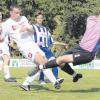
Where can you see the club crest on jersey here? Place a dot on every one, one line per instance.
(30, 55)
(13, 27)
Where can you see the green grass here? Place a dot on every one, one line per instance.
(88, 88)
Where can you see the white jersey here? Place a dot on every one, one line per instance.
(23, 39)
(12, 28)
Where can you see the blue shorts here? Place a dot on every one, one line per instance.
(48, 53)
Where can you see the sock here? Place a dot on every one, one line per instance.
(6, 71)
(41, 76)
(67, 69)
(55, 72)
(48, 73)
(49, 64)
(30, 79)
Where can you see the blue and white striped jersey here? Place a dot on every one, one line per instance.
(42, 35)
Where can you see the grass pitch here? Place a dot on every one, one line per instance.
(88, 88)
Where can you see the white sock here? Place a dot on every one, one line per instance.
(30, 79)
(74, 74)
(48, 73)
(6, 71)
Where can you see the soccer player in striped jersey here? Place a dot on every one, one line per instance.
(4, 53)
(43, 38)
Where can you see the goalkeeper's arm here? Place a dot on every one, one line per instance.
(60, 43)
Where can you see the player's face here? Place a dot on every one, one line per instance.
(15, 13)
(39, 19)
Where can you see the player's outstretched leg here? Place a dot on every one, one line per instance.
(31, 77)
(67, 69)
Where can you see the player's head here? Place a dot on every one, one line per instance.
(15, 12)
(0, 16)
(39, 17)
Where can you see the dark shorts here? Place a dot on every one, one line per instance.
(80, 55)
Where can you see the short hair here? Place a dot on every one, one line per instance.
(14, 6)
(39, 12)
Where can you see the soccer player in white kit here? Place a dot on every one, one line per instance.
(4, 54)
(18, 28)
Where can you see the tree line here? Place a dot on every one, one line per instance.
(66, 19)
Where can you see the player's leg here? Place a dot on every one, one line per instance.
(33, 75)
(5, 68)
(41, 78)
(67, 69)
(38, 58)
(29, 79)
(55, 72)
(81, 57)
(35, 58)
(50, 56)
(48, 73)
(76, 58)
(66, 58)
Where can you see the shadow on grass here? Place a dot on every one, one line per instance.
(43, 88)
(38, 87)
(86, 90)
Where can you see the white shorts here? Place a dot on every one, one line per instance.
(4, 49)
(30, 49)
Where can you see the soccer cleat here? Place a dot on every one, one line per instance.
(77, 77)
(11, 79)
(25, 87)
(60, 80)
(57, 85)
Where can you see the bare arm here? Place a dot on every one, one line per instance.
(61, 43)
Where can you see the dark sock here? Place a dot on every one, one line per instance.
(67, 69)
(51, 64)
